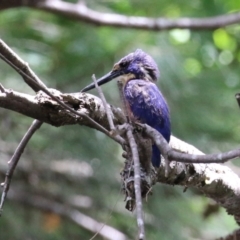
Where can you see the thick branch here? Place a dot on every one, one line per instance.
(82, 13)
(45, 109)
(214, 180)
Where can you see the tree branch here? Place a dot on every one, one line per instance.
(43, 108)
(15, 158)
(11, 58)
(181, 156)
(82, 13)
(104, 102)
(137, 183)
(214, 180)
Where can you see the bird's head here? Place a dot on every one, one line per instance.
(136, 65)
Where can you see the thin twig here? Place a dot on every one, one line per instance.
(208, 158)
(158, 139)
(109, 113)
(167, 166)
(2, 89)
(15, 158)
(137, 183)
(237, 96)
(107, 109)
(173, 155)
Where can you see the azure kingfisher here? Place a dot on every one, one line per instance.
(138, 74)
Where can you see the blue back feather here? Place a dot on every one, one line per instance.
(148, 105)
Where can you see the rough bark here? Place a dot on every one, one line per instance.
(43, 108)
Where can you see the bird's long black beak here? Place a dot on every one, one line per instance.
(106, 78)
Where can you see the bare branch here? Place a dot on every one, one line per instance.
(15, 158)
(172, 155)
(43, 108)
(11, 58)
(137, 183)
(107, 109)
(82, 13)
(209, 158)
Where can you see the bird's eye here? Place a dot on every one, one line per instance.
(148, 68)
(150, 72)
(124, 64)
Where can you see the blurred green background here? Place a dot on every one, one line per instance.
(77, 166)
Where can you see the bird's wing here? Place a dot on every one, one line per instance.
(146, 102)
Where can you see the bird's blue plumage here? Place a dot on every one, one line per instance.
(149, 106)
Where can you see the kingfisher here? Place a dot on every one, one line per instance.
(138, 74)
